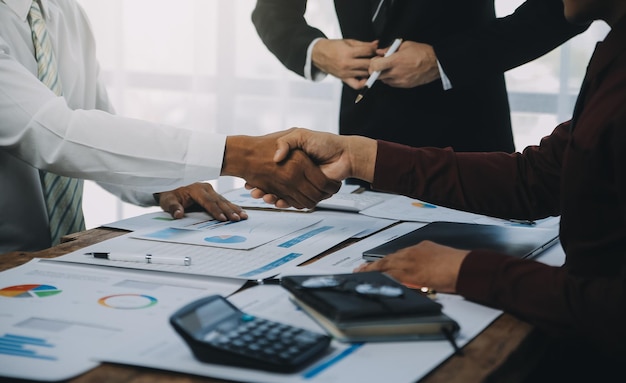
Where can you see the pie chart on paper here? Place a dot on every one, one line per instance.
(424, 205)
(29, 291)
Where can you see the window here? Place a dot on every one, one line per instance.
(200, 64)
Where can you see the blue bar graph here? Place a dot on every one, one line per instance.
(305, 236)
(271, 265)
(17, 345)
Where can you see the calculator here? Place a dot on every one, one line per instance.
(218, 332)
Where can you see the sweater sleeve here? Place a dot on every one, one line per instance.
(519, 185)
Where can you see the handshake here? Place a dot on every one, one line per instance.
(295, 167)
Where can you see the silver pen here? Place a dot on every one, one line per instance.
(143, 258)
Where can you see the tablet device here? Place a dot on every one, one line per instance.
(517, 241)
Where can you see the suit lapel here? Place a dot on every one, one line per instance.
(355, 19)
(404, 16)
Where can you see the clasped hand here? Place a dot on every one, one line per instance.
(294, 177)
(352, 61)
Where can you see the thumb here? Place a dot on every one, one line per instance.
(282, 150)
(380, 64)
(173, 206)
(292, 140)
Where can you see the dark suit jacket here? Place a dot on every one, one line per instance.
(473, 47)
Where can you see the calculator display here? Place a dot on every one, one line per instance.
(206, 316)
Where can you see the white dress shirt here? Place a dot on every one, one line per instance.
(77, 135)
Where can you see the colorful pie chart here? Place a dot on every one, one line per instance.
(424, 205)
(128, 301)
(29, 291)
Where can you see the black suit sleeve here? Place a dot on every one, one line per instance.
(535, 28)
(283, 29)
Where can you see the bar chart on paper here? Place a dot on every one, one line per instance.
(24, 346)
(54, 317)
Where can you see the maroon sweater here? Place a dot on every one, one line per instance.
(578, 172)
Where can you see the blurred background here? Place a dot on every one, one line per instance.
(200, 64)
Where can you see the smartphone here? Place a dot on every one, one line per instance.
(218, 332)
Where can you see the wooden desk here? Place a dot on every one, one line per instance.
(505, 352)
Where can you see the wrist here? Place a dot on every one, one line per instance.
(362, 157)
(317, 54)
(236, 155)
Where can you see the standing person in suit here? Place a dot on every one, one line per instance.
(411, 104)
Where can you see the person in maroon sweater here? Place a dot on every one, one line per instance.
(578, 172)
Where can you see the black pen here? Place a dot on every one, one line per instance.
(143, 258)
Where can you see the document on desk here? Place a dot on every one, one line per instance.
(261, 262)
(260, 228)
(54, 317)
(347, 259)
(409, 209)
(242, 197)
(158, 220)
(398, 362)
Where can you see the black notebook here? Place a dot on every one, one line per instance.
(517, 241)
(369, 306)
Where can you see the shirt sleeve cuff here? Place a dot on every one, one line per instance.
(310, 71)
(205, 156)
(444, 79)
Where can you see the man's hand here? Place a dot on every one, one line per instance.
(346, 59)
(414, 64)
(426, 264)
(295, 178)
(328, 150)
(203, 195)
(338, 157)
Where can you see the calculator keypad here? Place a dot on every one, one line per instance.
(265, 340)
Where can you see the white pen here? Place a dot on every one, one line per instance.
(374, 76)
(143, 258)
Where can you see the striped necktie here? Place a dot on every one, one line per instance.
(63, 195)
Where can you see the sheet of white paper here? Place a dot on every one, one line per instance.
(407, 209)
(55, 316)
(158, 220)
(260, 228)
(347, 259)
(259, 263)
(385, 362)
(373, 224)
(553, 256)
(242, 197)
